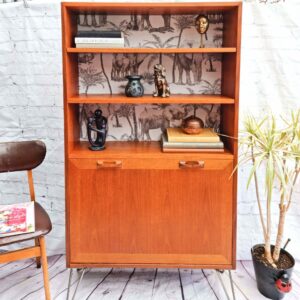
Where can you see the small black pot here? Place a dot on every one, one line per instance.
(134, 88)
(272, 283)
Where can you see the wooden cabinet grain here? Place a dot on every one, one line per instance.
(167, 215)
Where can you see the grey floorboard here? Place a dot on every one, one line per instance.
(22, 280)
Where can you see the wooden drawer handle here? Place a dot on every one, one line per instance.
(191, 164)
(114, 164)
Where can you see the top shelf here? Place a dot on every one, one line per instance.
(150, 7)
(152, 50)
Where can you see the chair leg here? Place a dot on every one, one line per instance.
(37, 259)
(45, 267)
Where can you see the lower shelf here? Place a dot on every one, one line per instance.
(138, 150)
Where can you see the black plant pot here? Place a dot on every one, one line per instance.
(272, 283)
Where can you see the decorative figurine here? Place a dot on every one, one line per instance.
(98, 124)
(192, 125)
(202, 24)
(134, 87)
(161, 85)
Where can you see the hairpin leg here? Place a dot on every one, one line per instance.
(69, 283)
(231, 283)
(223, 285)
(25, 4)
(222, 282)
(78, 283)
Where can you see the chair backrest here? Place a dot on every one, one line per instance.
(21, 156)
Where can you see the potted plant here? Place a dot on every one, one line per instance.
(273, 152)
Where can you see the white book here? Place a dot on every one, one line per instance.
(88, 40)
(110, 45)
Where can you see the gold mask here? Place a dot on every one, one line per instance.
(202, 24)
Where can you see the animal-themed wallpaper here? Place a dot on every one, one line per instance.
(186, 73)
(146, 122)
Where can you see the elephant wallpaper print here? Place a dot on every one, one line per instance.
(157, 31)
(130, 122)
(186, 73)
(193, 73)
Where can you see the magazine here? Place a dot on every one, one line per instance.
(17, 219)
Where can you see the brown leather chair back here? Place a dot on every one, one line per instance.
(21, 156)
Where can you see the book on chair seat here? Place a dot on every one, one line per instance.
(17, 219)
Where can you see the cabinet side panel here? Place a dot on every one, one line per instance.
(70, 61)
(230, 28)
(230, 113)
(70, 86)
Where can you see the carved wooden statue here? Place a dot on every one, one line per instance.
(161, 85)
(98, 125)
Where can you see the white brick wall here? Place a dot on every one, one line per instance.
(31, 102)
(270, 79)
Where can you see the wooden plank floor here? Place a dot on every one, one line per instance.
(21, 280)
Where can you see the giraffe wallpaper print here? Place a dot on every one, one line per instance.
(186, 73)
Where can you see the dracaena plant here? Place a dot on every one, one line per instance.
(274, 152)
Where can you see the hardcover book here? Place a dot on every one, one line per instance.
(99, 34)
(190, 145)
(100, 37)
(17, 219)
(207, 135)
(99, 41)
(100, 45)
(190, 150)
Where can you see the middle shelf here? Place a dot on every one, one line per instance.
(178, 98)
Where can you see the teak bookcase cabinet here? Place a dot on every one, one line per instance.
(132, 204)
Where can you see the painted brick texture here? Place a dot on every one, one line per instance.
(31, 101)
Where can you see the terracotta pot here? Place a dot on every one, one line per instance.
(272, 283)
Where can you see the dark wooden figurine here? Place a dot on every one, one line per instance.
(98, 124)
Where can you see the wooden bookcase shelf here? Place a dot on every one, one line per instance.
(133, 205)
(152, 50)
(106, 98)
(139, 150)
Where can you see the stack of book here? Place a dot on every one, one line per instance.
(175, 140)
(99, 39)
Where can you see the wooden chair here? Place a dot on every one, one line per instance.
(25, 156)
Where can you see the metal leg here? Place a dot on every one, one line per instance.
(223, 285)
(25, 4)
(69, 284)
(222, 282)
(78, 283)
(231, 283)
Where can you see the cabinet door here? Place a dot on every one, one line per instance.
(150, 211)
